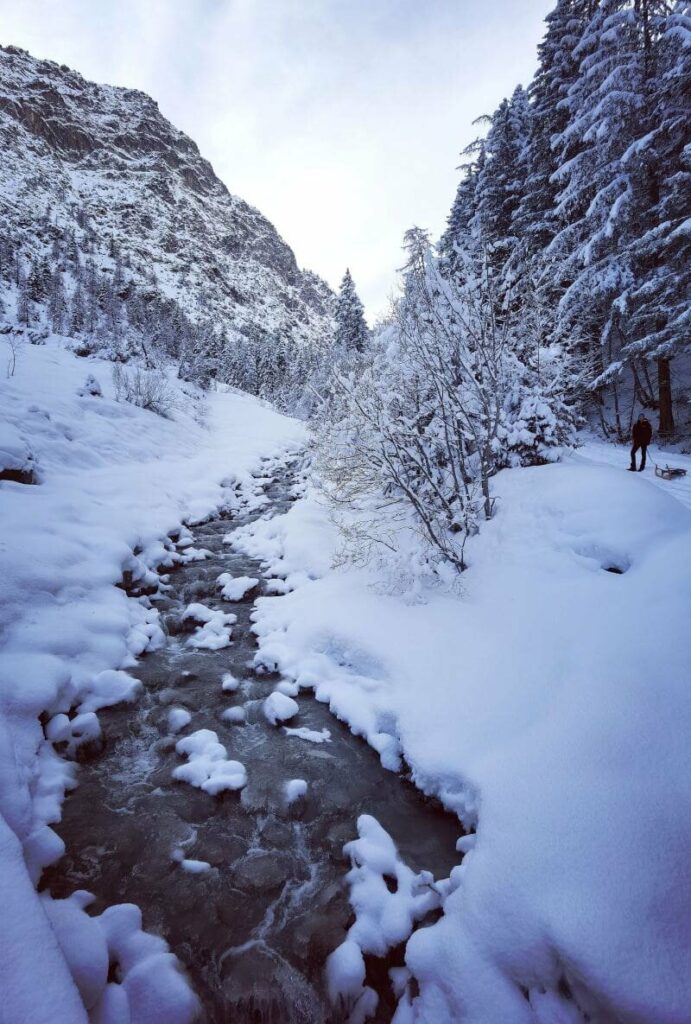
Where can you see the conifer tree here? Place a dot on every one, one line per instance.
(351, 327)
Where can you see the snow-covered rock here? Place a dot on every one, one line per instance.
(16, 461)
(294, 789)
(208, 766)
(279, 708)
(229, 683)
(215, 627)
(178, 718)
(234, 588)
(235, 716)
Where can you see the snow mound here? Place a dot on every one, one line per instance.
(178, 718)
(234, 715)
(214, 630)
(234, 588)
(195, 867)
(279, 708)
(16, 460)
(208, 767)
(151, 988)
(75, 732)
(229, 683)
(108, 688)
(294, 789)
(388, 899)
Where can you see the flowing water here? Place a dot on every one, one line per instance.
(255, 930)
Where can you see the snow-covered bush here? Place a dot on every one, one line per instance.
(450, 395)
(148, 389)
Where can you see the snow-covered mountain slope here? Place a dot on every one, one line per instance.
(112, 479)
(548, 705)
(103, 160)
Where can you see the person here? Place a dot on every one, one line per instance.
(641, 435)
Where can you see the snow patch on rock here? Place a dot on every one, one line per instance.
(208, 766)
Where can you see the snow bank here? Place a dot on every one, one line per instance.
(150, 989)
(549, 706)
(388, 898)
(114, 485)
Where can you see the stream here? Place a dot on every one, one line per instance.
(255, 930)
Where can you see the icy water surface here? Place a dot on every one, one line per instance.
(255, 930)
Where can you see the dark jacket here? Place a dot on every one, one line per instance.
(642, 432)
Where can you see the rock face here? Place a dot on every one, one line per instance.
(105, 158)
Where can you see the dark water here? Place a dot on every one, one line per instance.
(253, 932)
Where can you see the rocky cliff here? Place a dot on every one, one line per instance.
(105, 159)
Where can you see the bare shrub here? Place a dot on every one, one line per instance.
(147, 389)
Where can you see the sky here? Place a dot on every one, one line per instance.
(341, 120)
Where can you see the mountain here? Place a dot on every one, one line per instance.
(99, 168)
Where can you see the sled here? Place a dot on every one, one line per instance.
(669, 472)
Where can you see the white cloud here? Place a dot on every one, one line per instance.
(341, 120)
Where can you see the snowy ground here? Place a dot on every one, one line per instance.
(114, 480)
(549, 705)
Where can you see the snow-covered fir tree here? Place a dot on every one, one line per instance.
(351, 327)
(580, 194)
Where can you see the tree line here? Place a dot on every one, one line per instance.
(562, 273)
(580, 192)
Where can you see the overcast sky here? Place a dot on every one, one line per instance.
(341, 120)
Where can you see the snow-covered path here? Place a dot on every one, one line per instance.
(617, 456)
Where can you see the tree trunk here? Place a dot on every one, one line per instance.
(664, 388)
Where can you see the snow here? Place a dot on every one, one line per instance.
(229, 683)
(279, 708)
(311, 735)
(235, 588)
(387, 898)
(234, 715)
(547, 704)
(178, 718)
(151, 989)
(208, 766)
(114, 482)
(107, 688)
(15, 453)
(294, 789)
(195, 867)
(215, 629)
